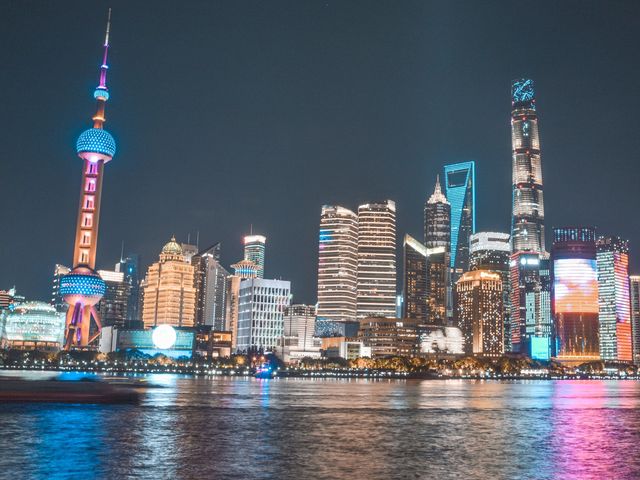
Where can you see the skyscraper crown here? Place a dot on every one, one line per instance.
(438, 196)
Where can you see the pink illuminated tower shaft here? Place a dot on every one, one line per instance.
(83, 287)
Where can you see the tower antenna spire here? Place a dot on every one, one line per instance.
(104, 67)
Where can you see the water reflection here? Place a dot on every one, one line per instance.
(289, 428)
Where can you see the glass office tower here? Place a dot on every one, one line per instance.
(460, 180)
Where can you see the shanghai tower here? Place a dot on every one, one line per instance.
(527, 224)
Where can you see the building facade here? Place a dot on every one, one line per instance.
(261, 309)
(338, 264)
(414, 279)
(492, 251)
(614, 316)
(242, 270)
(377, 259)
(254, 251)
(113, 306)
(211, 288)
(389, 337)
(527, 221)
(169, 292)
(634, 284)
(33, 325)
(480, 312)
(575, 294)
(56, 297)
(460, 189)
(130, 267)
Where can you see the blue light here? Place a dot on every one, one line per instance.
(540, 348)
(96, 140)
(82, 284)
(522, 90)
(101, 94)
(459, 193)
(325, 235)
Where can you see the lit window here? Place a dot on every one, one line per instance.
(89, 202)
(92, 168)
(90, 185)
(87, 220)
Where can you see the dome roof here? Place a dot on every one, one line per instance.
(96, 140)
(172, 248)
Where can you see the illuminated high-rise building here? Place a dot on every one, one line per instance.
(634, 284)
(130, 267)
(613, 297)
(492, 251)
(242, 270)
(377, 259)
(460, 189)
(480, 312)
(169, 291)
(211, 287)
(414, 280)
(437, 240)
(338, 264)
(527, 224)
(57, 301)
(575, 294)
(254, 248)
(113, 306)
(82, 288)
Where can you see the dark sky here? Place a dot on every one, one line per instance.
(229, 114)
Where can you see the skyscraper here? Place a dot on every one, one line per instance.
(56, 297)
(113, 306)
(634, 283)
(261, 312)
(130, 267)
(82, 288)
(254, 249)
(480, 312)
(414, 283)
(169, 292)
(211, 287)
(613, 298)
(437, 239)
(242, 270)
(527, 225)
(460, 189)
(377, 259)
(492, 251)
(575, 294)
(338, 264)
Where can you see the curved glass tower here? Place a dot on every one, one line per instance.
(527, 226)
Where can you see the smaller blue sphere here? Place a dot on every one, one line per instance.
(101, 93)
(96, 140)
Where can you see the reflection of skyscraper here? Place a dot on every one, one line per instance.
(437, 239)
(254, 249)
(414, 284)
(492, 251)
(634, 283)
(338, 264)
(613, 295)
(377, 259)
(479, 312)
(460, 188)
(527, 227)
(575, 294)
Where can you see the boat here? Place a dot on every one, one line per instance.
(19, 390)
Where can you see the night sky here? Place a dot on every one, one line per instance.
(231, 114)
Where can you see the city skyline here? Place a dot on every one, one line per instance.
(145, 233)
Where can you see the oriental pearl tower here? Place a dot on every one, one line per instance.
(83, 288)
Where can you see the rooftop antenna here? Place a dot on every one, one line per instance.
(122, 252)
(198, 239)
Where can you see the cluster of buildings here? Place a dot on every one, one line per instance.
(462, 291)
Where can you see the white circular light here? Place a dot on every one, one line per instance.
(164, 337)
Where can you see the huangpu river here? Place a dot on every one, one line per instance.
(244, 428)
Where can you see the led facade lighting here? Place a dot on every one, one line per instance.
(460, 181)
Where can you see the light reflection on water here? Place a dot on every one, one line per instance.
(295, 428)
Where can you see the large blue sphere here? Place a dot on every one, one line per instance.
(82, 285)
(96, 140)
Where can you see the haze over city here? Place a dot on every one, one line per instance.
(233, 115)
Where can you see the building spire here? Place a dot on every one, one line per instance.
(101, 93)
(438, 196)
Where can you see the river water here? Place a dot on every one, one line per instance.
(218, 428)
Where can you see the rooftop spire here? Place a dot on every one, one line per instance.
(438, 196)
(104, 67)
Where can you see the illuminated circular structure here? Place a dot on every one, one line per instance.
(164, 337)
(82, 285)
(34, 322)
(96, 144)
(101, 94)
